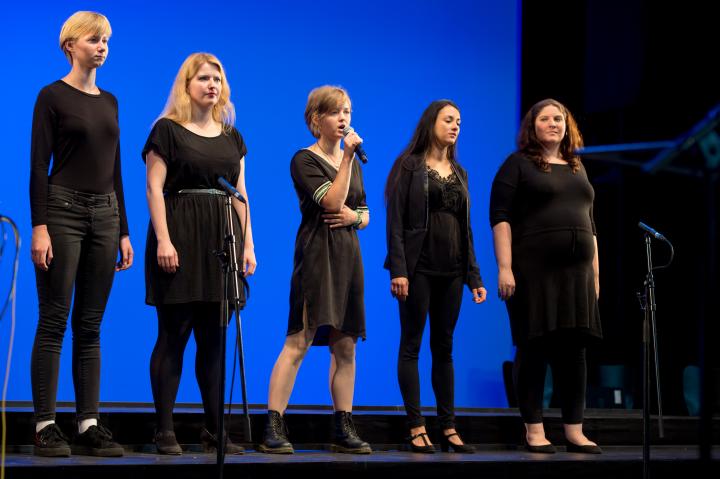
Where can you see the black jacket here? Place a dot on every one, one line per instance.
(407, 223)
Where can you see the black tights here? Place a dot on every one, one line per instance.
(441, 297)
(567, 360)
(175, 322)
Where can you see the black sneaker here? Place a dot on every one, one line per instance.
(96, 441)
(51, 442)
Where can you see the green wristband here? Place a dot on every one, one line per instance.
(357, 223)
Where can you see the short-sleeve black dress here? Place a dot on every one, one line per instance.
(327, 282)
(551, 218)
(196, 222)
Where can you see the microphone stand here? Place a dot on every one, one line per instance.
(647, 302)
(231, 294)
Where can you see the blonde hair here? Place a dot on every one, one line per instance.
(179, 107)
(320, 101)
(82, 23)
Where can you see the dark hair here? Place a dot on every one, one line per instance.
(529, 145)
(413, 156)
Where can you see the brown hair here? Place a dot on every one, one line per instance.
(320, 101)
(529, 145)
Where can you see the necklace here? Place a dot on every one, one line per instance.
(331, 159)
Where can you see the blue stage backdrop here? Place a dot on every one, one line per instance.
(394, 57)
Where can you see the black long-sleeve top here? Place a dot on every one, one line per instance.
(408, 216)
(80, 132)
(534, 201)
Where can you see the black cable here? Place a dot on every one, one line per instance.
(672, 256)
(3, 220)
(4, 240)
(11, 300)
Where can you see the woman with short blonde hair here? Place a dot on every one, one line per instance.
(79, 223)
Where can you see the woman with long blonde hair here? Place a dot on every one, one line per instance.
(192, 144)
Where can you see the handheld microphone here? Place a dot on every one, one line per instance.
(651, 231)
(358, 149)
(231, 189)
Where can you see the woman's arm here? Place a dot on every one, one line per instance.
(250, 263)
(596, 268)
(156, 172)
(502, 238)
(334, 199)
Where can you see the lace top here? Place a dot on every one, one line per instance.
(443, 252)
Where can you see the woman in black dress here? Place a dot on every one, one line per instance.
(326, 292)
(430, 257)
(79, 222)
(191, 145)
(541, 211)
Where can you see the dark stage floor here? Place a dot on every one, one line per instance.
(616, 462)
(495, 432)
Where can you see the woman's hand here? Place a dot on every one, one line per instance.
(126, 254)
(41, 247)
(400, 288)
(346, 217)
(250, 261)
(506, 284)
(597, 287)
(351, 140)
(167, 256)
(479, 295)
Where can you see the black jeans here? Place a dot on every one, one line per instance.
(566, 356)
(175, 323)
(84, 232)
(441, 297)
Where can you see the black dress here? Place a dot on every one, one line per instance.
(196, 222)
(327, 281)
(551, 217)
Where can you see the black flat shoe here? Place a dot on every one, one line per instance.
(426, 448)
(446, 445)
(544, 449)
(585, 449)
(166, 443)
(209, 444)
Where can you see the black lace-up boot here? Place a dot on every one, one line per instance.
(346, 438)
(275, 440)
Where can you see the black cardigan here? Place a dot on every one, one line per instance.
(407, 223)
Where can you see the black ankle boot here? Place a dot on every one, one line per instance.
(346, 438)
(275, 440)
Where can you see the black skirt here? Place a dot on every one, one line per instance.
(196, 223)
(555, 284)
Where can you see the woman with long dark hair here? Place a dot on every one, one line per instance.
(430, 257)
(541, 211)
